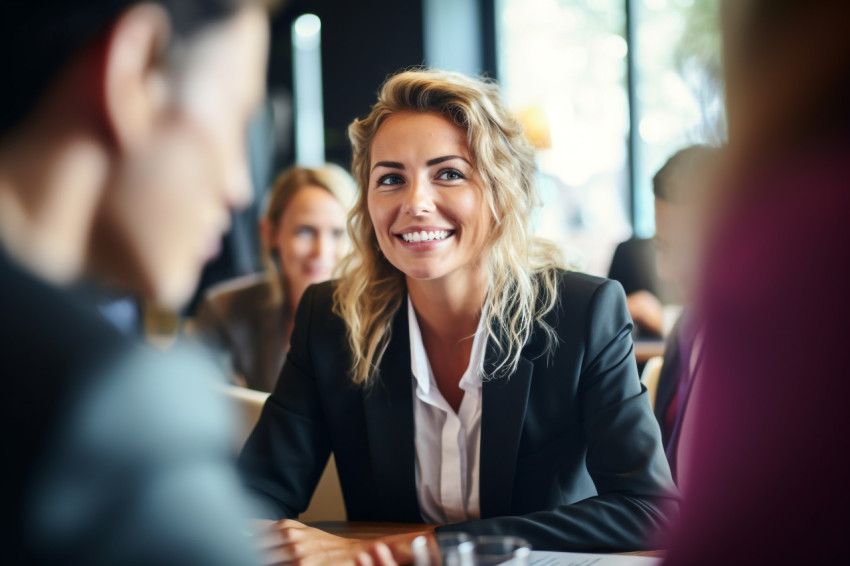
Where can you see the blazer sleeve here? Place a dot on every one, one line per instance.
(636, 497)
(287, 451)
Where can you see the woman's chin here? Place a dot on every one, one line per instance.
(423, 273)
(313, 278)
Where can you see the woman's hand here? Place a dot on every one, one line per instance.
(293, 543)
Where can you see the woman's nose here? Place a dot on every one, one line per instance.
(322, 246)
(419, 198)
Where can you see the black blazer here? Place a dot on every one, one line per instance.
(570, 458)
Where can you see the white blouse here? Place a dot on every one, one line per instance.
(447, 443)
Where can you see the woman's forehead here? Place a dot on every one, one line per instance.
(420, 133)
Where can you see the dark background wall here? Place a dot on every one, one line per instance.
(360, 47)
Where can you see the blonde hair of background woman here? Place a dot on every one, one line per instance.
(521, 268)
(331, 177)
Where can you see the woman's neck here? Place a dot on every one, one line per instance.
(450, 306)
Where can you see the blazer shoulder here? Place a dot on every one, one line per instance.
(317, 307)
(239, 298)
(580, 287)
(323, 293)
(253, 285)
(587, 300)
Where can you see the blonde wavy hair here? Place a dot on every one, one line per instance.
(522, 269)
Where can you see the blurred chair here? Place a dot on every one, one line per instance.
(327, 503)
(650, 375)
(248, 405)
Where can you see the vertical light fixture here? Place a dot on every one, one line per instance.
(307, 70)
(452, 35)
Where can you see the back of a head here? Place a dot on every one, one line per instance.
(787, 70)
(683, 175)
(39, 38)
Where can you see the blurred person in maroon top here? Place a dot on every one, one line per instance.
(764, 482)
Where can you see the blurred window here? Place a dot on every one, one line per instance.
(564, 64)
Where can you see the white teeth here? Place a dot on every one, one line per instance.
(424, 236)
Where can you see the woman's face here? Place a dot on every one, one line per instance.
(309, 238)
(425, 197)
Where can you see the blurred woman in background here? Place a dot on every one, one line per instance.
(303, 234)
(459, 375)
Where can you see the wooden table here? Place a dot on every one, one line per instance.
(363, 530)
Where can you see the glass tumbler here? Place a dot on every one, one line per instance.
(445, 549)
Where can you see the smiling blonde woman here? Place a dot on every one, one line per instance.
(460, 377)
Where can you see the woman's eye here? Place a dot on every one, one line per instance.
(391, 179)
(450, 175)
(304, 231)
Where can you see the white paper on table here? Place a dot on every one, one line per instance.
(546, 558)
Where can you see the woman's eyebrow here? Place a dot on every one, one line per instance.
(437, 160)
(390, 164)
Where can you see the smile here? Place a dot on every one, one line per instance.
(424, 236)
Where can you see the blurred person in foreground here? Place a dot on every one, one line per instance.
(250, 319)
(681, 188)
(766, 482)
(121, 156)
(461, 377)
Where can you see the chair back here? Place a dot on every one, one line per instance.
(248, 404)
(650, 375)
(327, 503)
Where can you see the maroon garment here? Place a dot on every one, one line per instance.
(768, 479)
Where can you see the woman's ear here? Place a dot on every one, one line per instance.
(134, 88)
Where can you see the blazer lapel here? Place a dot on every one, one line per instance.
(388, 407)
(504, 402)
